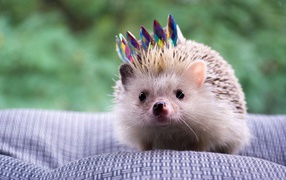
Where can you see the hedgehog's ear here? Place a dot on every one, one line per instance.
(126, 73)
(196, 73)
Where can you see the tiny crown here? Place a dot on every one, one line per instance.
(129, 49)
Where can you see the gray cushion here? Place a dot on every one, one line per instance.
(59, 144)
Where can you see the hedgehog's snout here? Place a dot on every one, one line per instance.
(160, 108)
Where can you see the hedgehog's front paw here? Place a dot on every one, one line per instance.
(146, 146)
(227, 149)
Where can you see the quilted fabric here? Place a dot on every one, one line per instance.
(269, 138)
(170, 164)
(41, 144)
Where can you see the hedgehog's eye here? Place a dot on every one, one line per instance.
(142, 96)
(180, 94)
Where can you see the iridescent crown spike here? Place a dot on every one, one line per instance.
(145, 37)
(131, 49)
(126, 50)
(171, 31)
(119, 49)
(159, 34)
(132, 42)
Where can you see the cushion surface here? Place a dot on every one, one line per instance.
(62, 144)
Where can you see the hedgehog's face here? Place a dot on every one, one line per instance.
(162, 98)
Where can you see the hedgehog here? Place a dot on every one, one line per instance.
(177, 94)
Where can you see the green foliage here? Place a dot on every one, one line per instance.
(60, 54)
(43, 65)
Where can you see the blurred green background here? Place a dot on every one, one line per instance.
(60, 54)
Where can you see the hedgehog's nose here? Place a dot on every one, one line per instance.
(159, 108)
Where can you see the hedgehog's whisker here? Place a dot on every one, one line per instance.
(141, 123)
(184, 123)
(129, 126)
(195, 119)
